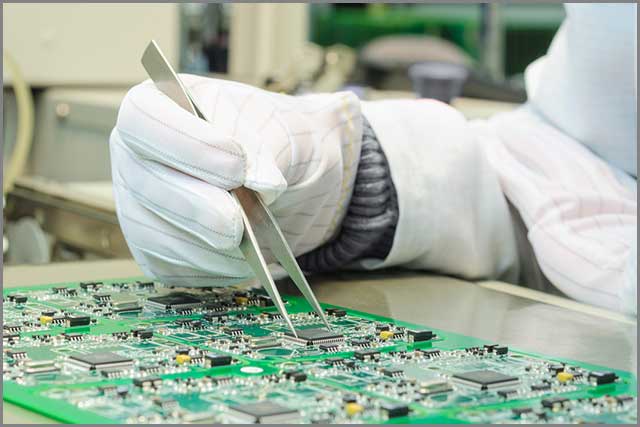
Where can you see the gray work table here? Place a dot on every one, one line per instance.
(493, 311)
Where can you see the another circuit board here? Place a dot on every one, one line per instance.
(135, 351)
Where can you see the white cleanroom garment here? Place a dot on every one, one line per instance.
(586, 84)
(453, 217)
(172, 170)
(581, 220)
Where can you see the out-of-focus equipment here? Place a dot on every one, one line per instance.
(438, 80)
(86, 44)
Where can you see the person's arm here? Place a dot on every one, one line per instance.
(581, 216)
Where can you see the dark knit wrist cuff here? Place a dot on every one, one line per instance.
(369, 225)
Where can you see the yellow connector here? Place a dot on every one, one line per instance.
(241, 300)
(353, 408)
(181, 359)
(385, 335)
(563, 377)
(45, 320)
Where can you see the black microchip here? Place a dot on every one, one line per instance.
(265, 301)
(507, 393)
(174, 301)
(602, 377)
(333, 361)
(485, 379)
(71, 321)
(395, 410)
(392, 372)
(554, 402)
(556, 368)
(541, 387)
(418, 336)
(147, 382)
(366, 354)
(296, 376)
(314, 336)
(15, 354)
(349, 364)
(430, 353)
(145, 334)
(501, 350)
(212, 359)
(101, 360)
(215, 317)
(382, 327)
(328, 347)
(18, 299)
(264, 413)
(90, 285)
(359, 342)
(624, 398)
(519, 411)
(336, 312)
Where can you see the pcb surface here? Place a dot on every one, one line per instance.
(134, 351)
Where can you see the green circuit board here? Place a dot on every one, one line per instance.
(136, 351)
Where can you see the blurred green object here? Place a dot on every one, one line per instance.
(529, 28)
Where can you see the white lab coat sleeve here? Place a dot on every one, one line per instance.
(453, 217)
(579, 211)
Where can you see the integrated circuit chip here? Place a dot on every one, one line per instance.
(314, 336)
(100, 360)
(485, 379)
(174, 301)
(264, 413)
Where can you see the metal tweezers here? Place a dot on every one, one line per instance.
(259, 223)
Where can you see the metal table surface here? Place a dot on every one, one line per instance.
(561, 328)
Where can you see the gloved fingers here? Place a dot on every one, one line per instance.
(196, 207)
(157, 128)
(150, 233)
(176, 273)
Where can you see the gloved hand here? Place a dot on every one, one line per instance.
(172, 172)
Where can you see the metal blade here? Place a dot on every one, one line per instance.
(267, 230)
(170, 84)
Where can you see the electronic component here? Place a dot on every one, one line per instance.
(392, 372)
(148, 382)
(600, 378)
(296, 376)
(353, 408)
(385, 335)
(366, 354)
(541, 387)
(563, 377)
(212, 359)
(100, 360)
(314, 336)
(18, 298)
(40, 367)
(264, 412)
(507, 393)
(71, 321)
(554, 403)
(337, 312)
(429, 388)
(419, 336)
(174, 301)
(393, 410)
(485, 379)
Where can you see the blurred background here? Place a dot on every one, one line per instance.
(67, 66)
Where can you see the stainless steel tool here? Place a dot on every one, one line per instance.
(259, 222)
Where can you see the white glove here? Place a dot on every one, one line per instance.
(172, 172)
